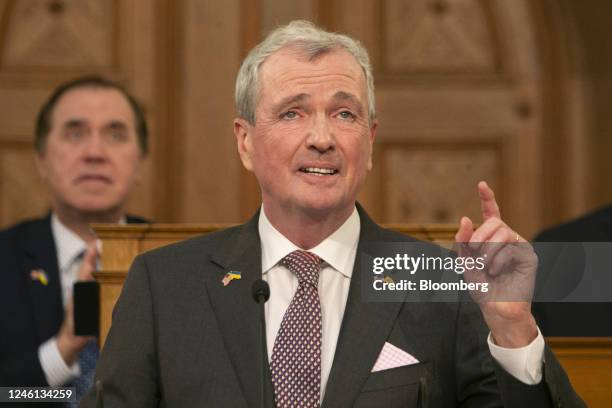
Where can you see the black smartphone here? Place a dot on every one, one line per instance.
(86, 297)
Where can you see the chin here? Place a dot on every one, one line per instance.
(324, 206)
(97, 206)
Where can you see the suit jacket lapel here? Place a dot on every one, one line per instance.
(238, 318)
(40, 253)
(356, 352)
(236, 311)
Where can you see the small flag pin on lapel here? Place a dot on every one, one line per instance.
(230, 276)
(39, 275)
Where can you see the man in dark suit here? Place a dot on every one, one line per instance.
(565, 262)
(595, 226)
(90, 140)
(186, 331)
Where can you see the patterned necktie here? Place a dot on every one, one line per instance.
(296, 356)
(88, 357)
(87, 363)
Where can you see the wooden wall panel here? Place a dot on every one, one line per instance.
(448, 72)
(576, 165)
(22, 193)
(19, 107)
(438, 36)
(59, 34)
(408, 166)
(210, 167)
(456, 109)
(275, 13)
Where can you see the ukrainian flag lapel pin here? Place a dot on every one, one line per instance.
(230, 276)
(388, 279)
(40, 276)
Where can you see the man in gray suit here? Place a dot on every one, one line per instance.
(185, 331)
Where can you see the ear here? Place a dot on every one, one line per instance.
(372, 138)
(243, 131)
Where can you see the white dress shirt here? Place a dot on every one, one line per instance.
(70, 249)
(338, 252)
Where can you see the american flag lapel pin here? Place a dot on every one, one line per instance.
(230, 276)
(40, 276)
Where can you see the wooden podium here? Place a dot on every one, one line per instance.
(588, 361)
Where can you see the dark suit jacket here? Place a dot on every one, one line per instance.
(30, 313)
(179, 338)
(574, 319)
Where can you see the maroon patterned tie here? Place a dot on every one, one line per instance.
(296, 356)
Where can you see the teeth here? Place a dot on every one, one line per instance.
(318, 170)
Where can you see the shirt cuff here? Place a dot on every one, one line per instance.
(56, 371)
(523, 363)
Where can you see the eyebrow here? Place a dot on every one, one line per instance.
(116, 124)
(340, 96)
(349, 97)
(290, 100)
(74, 123)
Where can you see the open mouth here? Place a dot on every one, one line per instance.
(93, 177)
(319, 171)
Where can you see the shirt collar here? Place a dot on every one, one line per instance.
(338, 250)
(68, 244)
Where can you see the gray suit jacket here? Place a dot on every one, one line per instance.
(179, 338)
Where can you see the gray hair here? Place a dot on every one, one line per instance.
(308, 38)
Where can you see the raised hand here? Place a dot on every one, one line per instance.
(510, 268)
(68, 344)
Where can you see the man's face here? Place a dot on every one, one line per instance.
(91, 158)
(311, 145)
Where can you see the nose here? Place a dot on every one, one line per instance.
(95, 149)
(320, 136)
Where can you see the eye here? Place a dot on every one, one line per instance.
(118, 136)
(116, 133)
(289, 115)
(347, 115)
(75, 134)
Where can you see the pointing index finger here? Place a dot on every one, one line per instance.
(488, 205)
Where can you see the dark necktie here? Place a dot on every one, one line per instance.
(87, 363)
(87, 358)
(296, 356)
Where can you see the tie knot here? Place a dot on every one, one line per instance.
(305, 265)
(80, 255)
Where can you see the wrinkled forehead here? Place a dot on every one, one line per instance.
(292, 65)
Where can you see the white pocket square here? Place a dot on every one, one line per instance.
(392, 357)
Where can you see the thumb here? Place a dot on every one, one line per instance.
(69, 308)
(466, 229)
(463, 235)
(89, 262)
